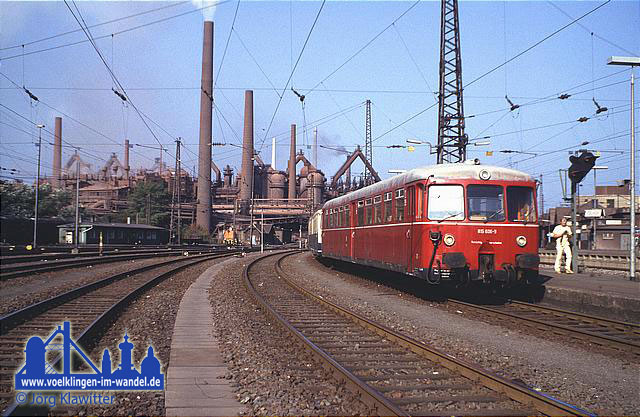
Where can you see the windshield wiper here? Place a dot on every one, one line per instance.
(495, 213)
(450, 216)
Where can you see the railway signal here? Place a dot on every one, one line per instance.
(581, 165)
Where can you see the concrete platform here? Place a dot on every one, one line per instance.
(195, 384)
(613, 297)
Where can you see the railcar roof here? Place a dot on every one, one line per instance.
(448, 171)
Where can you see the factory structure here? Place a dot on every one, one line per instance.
(217, 200)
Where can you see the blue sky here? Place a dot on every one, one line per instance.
(159, 65)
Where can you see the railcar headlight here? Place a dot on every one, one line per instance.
(521, 241)
(449, 240)
(484, 175)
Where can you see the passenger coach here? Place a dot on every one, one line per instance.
(449, 222)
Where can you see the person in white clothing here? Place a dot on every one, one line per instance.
(561, 233)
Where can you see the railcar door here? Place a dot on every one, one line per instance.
(410, 217)
(352, 229)
(417, 216)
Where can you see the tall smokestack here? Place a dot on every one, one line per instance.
(292, 164)
(203, 206)
(273, 153)
(315, 147)
(247, 153)
(57, 154)
(127, 168)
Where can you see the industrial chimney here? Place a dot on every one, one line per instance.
(203, 205)
(247, 153)
(292, 165)
(273, 154)
(127, 168)
(57, 154)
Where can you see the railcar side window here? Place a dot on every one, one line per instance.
(388, 214)
(419, 200)
(446, 202)
(360, 213)
(377, 209)
(348, 222)
(400, 205)
(521, 205)
(369, 211)
(340, 217)
(486, 202)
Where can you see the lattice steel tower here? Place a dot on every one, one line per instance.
(452, 141)
(368, 147)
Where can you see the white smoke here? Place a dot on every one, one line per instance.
(208, 8)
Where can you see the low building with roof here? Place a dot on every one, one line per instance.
(114, 234)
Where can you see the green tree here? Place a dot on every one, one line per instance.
(150, 200)
(18, 200)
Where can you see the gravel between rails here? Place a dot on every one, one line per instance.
(599, 383)
(148, 320)
(271, 374)
(21, 292)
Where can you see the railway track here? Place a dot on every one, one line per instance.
(89, 308)
(608, 333)
(392, 373)
(16, 270)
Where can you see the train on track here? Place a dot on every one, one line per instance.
(448, 223)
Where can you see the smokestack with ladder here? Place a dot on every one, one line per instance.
(203, 205)
(292, 165)
(56, 181)
(247, 154)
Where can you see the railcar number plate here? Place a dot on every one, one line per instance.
(487, 231)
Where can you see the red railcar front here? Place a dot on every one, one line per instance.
(457, 222)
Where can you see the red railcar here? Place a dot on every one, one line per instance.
(449, 222)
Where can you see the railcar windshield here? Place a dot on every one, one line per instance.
(446, 202)
(521, 205)
(485, 202)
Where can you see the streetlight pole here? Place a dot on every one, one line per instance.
(77, 222)
(35, 210)
(251, 208)
(632, 62)
(595, 201)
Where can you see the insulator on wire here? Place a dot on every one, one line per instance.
(513, 106)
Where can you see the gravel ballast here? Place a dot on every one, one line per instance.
(148, 320)
(271, 373)
(21, 292)
(596, 382)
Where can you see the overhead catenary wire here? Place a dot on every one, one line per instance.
(119, 19)
(524, 51)
(275, 112)
(4, 58)
(363, 47)
(591, 31)
(534, 45)
(112, 74)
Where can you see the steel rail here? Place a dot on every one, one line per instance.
(378, 403)
(523, 395)
(20, 270)
(92, 332)
(20, 259)
(15, 318)
(598, 338)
